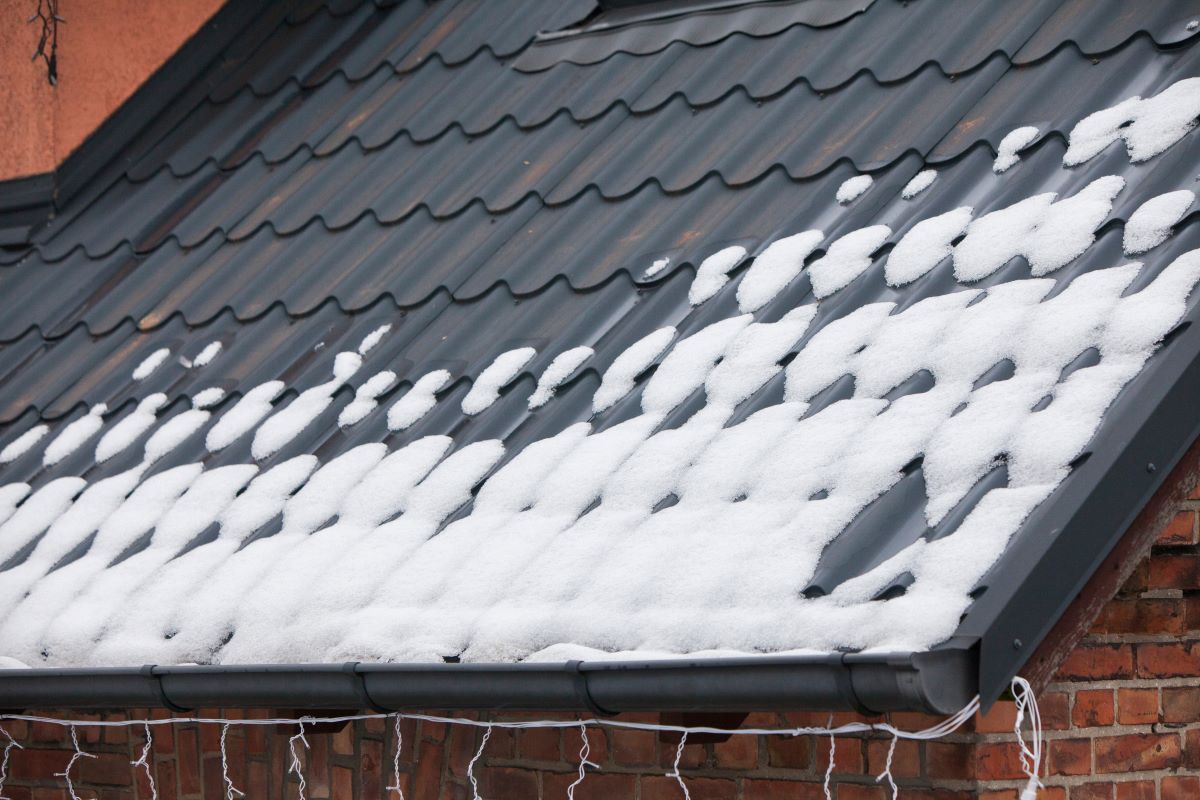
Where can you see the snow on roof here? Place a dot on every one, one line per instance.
(661, 533)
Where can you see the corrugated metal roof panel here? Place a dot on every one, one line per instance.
(364, 166)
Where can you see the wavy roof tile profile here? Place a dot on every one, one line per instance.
(412, 216)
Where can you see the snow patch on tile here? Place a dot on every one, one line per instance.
(846, 259)
(286, 424)
(121, 435)
(688, 365)
(562, 367)
(150, 363)
(174, 432)
(23, 443)
(418, 401)
(373, 338)
(919, 183)
(486, 389)
(205, 356)
(1013, 143)
(37, 513)
(854, 188)
(618, 379)
(775, 268)
(1149, 126)
(72, 437)
(11, 495)
(925, 245)
(714, 273)
(364, 401)
(243, 416)
(1150, 225)
(207, 398)
(656, 267)
(1048, 234)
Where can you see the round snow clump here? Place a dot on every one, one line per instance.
(853, 188)
(1013, 142)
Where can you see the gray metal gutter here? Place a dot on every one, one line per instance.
(939, 681)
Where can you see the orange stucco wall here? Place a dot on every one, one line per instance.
(106, 49)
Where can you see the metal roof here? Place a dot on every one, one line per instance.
(446, 169)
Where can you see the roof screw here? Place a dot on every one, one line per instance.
(1016, 644)
(1150, 467)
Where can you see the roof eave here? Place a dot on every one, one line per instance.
(939, 681)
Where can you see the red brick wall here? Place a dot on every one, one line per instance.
(106, 49)
(1122, 722)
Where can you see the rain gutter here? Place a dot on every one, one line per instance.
(938, 681)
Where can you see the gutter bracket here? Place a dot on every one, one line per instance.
(583, 691)
(360, 687)
(150, 672)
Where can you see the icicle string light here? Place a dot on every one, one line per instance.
(231, 791)
(1023, 693)
(78, 754)
(674, 773)
(8, 748)
(395, 787)
(296, 767)
(487, 734)
(144, 762)
(585, 749)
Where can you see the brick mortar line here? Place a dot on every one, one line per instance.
(1093, 777)
(1140, 638)
(1125, 683)
(1107, 732)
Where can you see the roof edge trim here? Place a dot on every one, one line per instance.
(938, 681)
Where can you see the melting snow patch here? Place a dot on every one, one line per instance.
(75, 434)
(21, 445)
(714, 273)
(11, 495)
(919, 183)
(1050, 235)
(686, 367)
(486, 389)
(126, 432)
(853, 188)
(1013, 143)
(775, 268)
(925, 245)
(418, 401)
(561, 368)
(658, 266)
(373, 338)
(364, 401)
(37, 514)
(619, 377)
(1148, 126)
(286, 424)
(207, 398)
(243, 416)
(205, 357)
(150, 363)
(846, 259)
(174, 432)
(1150, 225)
